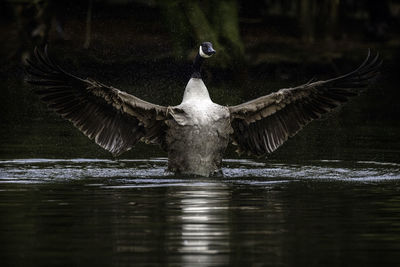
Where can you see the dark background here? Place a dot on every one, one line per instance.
(339, 206)
(146, 48)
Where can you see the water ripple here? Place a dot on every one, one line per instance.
(152, 172)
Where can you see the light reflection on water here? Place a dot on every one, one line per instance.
(203, 219)
(128, 212)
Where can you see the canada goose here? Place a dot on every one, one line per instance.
(196, 132)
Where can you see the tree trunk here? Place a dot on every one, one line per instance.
(226, 21)
(307, 20)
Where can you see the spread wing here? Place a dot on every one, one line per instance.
(114, 119)
(263, 124)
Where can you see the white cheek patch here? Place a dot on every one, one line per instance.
(202, 54)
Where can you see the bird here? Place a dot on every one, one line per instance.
(195, 133)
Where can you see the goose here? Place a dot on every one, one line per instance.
(196, 132)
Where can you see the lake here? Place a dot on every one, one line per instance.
(103, 212)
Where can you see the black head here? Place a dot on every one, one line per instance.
(206, 50)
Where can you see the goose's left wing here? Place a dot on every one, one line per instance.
(114, 119)
(263, 124)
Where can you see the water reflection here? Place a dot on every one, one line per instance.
(203, 223)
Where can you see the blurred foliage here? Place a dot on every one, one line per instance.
(261, 45)
(226, 23)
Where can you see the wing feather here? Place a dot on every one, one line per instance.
(263, 124)
(114, 119)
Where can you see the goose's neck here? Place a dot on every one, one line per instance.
(198, 61)
(196, 91)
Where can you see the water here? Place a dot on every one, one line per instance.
(84, 212)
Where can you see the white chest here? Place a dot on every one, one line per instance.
(196, 91)
(197, 108)
(203, 113)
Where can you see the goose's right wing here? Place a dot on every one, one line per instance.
(115, 119)
(263, 124)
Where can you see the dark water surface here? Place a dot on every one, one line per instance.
(98, 212)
